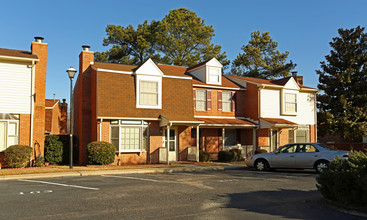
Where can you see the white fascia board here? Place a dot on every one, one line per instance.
(114, 71)
(217, 87)
(226, 125)
(128, 118)
(177, 77)
(218, 117)
(18, 58)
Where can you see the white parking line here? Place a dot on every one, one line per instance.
(133, 178)
(196, 174)
(59, 184)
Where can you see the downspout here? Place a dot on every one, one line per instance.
(316, 117)
(197, 144)
(32, 104)
(100, 129)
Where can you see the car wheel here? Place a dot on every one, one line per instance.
(261, 165)
(320, 165)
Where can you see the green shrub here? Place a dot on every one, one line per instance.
(53, 149)
(225, 156)
(204, 156)
(236, 154)
(100, 153)
(39, 162)
(345, 181)
(260, 151)
(18, 156)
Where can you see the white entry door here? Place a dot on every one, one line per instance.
(172, 144)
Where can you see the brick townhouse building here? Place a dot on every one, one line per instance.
(22, 96)
(56, 117)
(157, 113)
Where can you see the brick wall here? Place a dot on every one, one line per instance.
(283, 136)
(240, 104)
(184, 134)
(40, 89)
(24, 129)
(252, 102)
(263, 137)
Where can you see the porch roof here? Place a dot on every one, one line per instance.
(279, 122)
(178, 120)
(225, 122)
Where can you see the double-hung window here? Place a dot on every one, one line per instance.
(148, 93)
(200, 100)
(8, 134)
(129, 136)
(290, 103)
(227, 101)
(214, 75)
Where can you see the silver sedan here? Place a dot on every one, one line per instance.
(298, 156)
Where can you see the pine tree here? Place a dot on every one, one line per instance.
(343, 79)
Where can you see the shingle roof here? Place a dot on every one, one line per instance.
(278, 121)
(277, 82)
(17, 53)
(221, 121)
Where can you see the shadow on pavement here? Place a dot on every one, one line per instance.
(285, 203)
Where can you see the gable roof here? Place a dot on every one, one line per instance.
(276, 82)
(17, 53)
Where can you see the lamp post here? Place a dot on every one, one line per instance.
(71, 73)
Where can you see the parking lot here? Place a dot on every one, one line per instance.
(231, 194)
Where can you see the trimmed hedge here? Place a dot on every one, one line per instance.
(53, 149)
(18, 156)
(228, 156)
(345, 181)
(100, 153)
(261, 151)
(204, 156)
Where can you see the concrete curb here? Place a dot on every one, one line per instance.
(344, 209)
(121, 172)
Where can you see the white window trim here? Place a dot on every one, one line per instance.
(230, 102)
(153, 79)
(205, 100)
(140, 141)
(208, 75)
(283, 102)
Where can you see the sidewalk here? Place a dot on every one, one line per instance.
(175, 168)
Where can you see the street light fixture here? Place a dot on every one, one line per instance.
(71, 73)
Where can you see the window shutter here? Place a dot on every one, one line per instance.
(208, 100)
(233, 101)
(219, 100)
(194, 94)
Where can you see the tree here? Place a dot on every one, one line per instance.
(180, 38)
(129, 46)
(261, 59)
(185, 40)
(343, 79)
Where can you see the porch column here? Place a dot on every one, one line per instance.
(254, 138)
(167, 143)
(223, 135)
(197, 144)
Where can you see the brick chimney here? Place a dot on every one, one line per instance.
(299, 79)
(86, 57)
(39, 48)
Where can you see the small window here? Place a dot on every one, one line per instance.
(201, 100)
(227, 101)
(214, 75)
(290, 102)
(291, 135)
(148, 93)
(302, 136)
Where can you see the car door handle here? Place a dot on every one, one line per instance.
(316, 156)
(291, 156)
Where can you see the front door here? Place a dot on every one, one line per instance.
(172, 144)
(274, 140)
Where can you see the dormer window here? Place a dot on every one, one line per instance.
(148, 93)
(214, 74)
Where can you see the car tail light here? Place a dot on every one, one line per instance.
(345, 156)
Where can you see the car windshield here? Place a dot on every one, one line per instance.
(325, 147)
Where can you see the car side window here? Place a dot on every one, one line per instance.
(289, 149)
(305, 148)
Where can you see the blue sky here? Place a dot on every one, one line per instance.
(304, 28)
